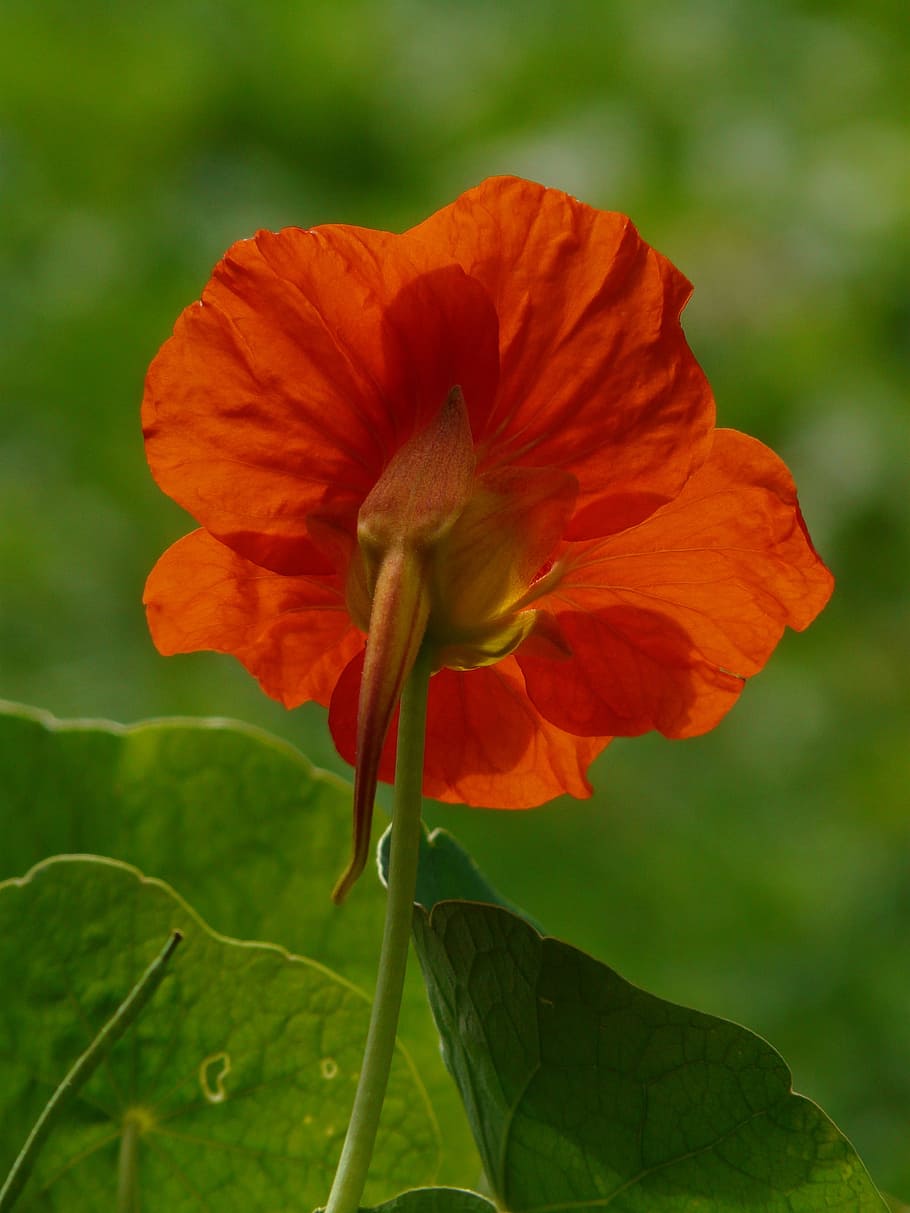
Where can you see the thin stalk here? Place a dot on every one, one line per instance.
(128, 1167)
(347, 1187)
(83, 1069)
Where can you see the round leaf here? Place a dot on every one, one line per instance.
(231, 1091)
(235, 819)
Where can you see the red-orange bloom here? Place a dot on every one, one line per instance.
(487, 434)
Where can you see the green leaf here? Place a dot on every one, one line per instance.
(435, 1200)
(235, 1084)
(238, 821)
(237, 816)
(584, 1091)
(76, 1077)
(446, 872)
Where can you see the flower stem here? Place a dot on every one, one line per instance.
(347, 1187)
(83, 1069)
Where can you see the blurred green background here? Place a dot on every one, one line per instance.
(761, 872)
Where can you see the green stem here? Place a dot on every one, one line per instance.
(83, 1069)
(347, 1187)
(127, 1169)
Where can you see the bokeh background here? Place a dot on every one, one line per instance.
(761, 872)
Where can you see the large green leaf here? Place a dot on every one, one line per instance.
(238, 1076)
(584, 1091)
(238, 822)
(235, 816)
(435, 1200)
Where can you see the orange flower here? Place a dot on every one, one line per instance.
(487, 433)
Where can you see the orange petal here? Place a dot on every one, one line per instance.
(292, 633)
(632, 670)
(312, 356)
(596, 375)
(486, 743)
(668, 618)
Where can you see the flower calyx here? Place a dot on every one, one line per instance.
(409, 511)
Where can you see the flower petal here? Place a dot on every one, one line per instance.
(486, 743)
(632, 670)
(668, 619)
(312, 356)
(596, 375)
(292, 633)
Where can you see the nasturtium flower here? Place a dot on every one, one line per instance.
(487, 435)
